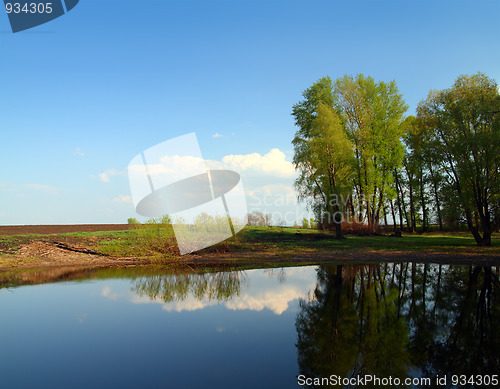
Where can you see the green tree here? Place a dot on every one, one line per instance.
(351, 327)
(323, 154)
(464, 123)
(372, 113)
(417, 171)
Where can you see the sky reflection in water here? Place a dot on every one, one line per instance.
(258, 328)
(168, 331)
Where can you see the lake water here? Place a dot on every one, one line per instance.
(137, 328)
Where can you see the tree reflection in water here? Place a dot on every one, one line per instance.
(169, 287)
(400, 320)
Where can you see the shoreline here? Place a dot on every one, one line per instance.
(34, 273)
(257, 259)
(116, 245)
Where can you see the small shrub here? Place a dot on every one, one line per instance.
(132, 220)
(156, 236)
(354, 228)
(207, 231)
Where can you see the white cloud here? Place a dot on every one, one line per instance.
(276, 301)
(190, 304)
(104, 177)
(107, 174)
(273, 195)
(167, 170)
(123, 199)
(272, 163)
(268, 178)
(177, 166)
(266, 291)
(272, 189)
(109, 294)
(216, 135)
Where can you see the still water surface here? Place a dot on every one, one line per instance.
(250, 329)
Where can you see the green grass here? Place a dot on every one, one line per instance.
(156, 242)
(254, 247)
(147, 240)
(303, 240)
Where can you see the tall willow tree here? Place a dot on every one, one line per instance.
(323, 154)
(464, 122)
(372, 113)
(349, 137)
(415, 169)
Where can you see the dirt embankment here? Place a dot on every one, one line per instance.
(55, 252)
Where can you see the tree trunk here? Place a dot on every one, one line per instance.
(338, 230)
(336, 218)
(353, 215)
(399, 192)
(486, 226)
(436, 197)
(422, 200)
(472, 229)
(412, 227)
(485, 240)
(394, 225)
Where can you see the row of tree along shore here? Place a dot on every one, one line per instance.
(361, 160)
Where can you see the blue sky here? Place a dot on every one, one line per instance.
(85, 93)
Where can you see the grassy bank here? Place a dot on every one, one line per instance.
(159, 242)
(155, 243)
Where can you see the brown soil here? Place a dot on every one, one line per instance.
(62, 229)
(55, 254)
(58, 252)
